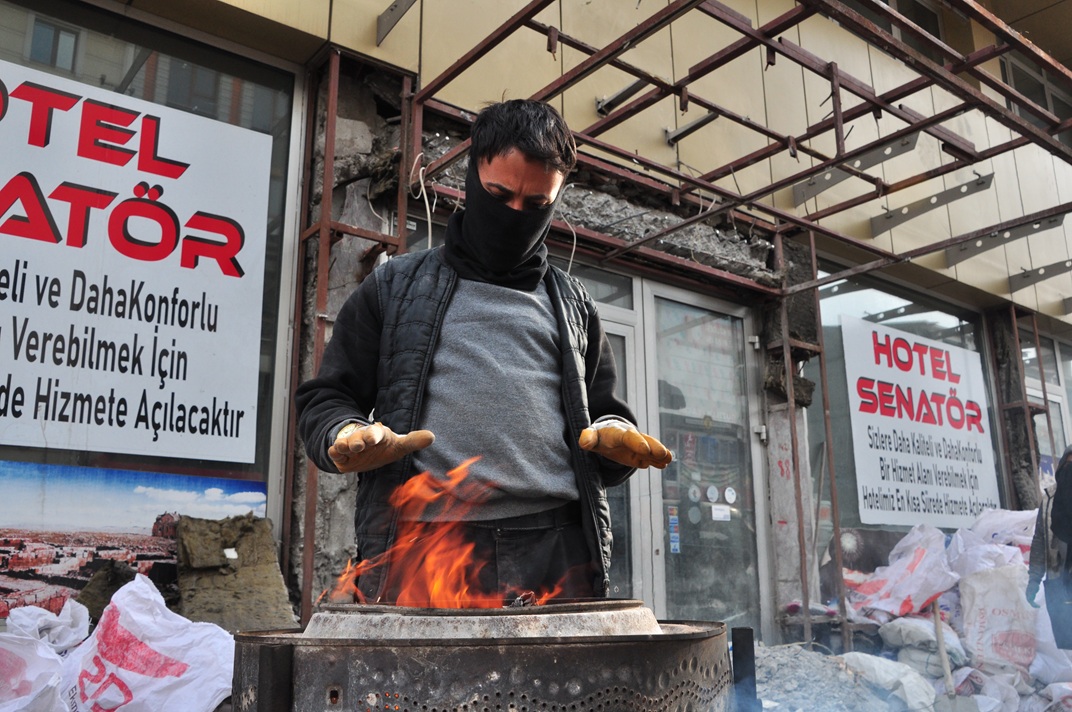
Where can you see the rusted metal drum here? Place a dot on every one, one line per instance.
(605, 656)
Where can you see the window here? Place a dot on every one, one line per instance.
(1036, 85)
(53, 45)
(193, 88)
(919, 12)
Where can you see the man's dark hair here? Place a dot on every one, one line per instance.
(532, 127)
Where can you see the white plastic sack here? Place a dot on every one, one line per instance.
(1059, 695)
(30, 675)
(999, 625)
(142, 657)
(62, 632)
(903, 682)
(927, 663)
(991, 693)
(969, 552)
(1006, 527)
(916, 632)
(917, 574)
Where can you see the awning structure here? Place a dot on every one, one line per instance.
(934, 63)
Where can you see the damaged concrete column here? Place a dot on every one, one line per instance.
(362, 195)
(1015, 423)
(785, 517)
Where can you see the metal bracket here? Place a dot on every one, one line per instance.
(1039, 274)
(754, 341)
(612, 102)
(893, 218)
(673, 137)
(761, 431)
(390, 17)
(961, 252)
(805, 190)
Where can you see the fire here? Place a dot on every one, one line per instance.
(431, 564)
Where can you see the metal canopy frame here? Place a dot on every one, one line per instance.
(957, 74)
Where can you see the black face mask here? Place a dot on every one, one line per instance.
(492, 242)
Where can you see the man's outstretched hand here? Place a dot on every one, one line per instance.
(620, 441)
(360, 448)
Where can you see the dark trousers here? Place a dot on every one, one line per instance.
(539, 553)
(1058, 592)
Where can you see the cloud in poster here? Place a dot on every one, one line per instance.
(56, 497)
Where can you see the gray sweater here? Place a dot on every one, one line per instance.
(495, 391)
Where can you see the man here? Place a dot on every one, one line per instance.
(501, 356)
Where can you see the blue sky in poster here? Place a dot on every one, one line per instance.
(66, 498)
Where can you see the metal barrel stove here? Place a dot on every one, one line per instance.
(606, 655)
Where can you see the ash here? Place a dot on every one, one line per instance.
(790, 678)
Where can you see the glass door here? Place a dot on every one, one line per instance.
(704, 547)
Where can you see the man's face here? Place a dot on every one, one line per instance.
(520, 182)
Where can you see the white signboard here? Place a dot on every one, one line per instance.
(920, 431)
(132, 240)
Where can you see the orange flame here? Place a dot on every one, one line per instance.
(431, 564)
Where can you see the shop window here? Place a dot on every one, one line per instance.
(79, 458)
(1039, 361)
(1038, 86)
(53, 45)
(868, 301)
(193, 88)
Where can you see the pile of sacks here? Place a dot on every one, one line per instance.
(992, 646)
(140, 657)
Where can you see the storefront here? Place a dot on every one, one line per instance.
(147, 215)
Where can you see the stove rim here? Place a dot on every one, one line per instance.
(559, 606)
(689, 630)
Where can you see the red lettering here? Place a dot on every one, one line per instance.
(43, 102)
(37, 222)
(4, 100)
(881, 349)
(127, 651)
(102, 128)
(865, 389)
(107, 680)
(953, 377)
(973, 416)
(902, 354)
(921, 350)
(143, 211)
(82, 200)
(225, 253)
(904, 402)
(149, 159)
(885, 398)
(938, 364)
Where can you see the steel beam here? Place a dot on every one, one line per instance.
(862, 27)
(612, 51)
(894, 95)
(471, 57)
(992, 22)
(733, 51)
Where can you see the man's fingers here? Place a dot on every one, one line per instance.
(633, 440)
(659, 452)
(416, 440)
(589, 439)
